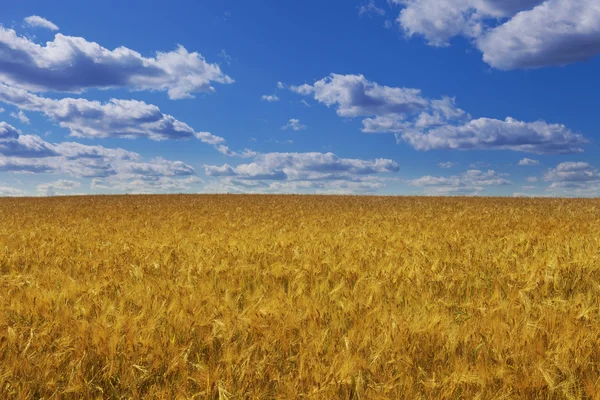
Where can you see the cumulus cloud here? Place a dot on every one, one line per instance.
(294, 124)
(355, 96)
(114, 168)
(114, 119)
(490, 134)
(526, 162)
(471, 182)
(573, 172)
(532, 179)
(303, 166)
(557, 32)
(13, 143)
(57, 188)
(10, 192)
(574, 179)
(38, 22)
(73, 64)
(440, 20)
(437, 21)
(435, 124)
(510, 34)
(271, 98)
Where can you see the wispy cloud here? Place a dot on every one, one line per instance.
(294, 124)
(20, 116)
(370, 8)
(39, 22)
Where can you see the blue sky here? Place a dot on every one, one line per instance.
(410, 97)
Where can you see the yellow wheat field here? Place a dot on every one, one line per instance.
(263, 297)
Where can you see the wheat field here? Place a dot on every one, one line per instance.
(316, 297)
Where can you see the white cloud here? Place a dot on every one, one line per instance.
(435, 124)
(39, 22)
(2, 110)
(73, 64)
(447, 165)
(314, 165)
(469, 182)
(437, 20)
(532, 179)
(233, 185)
(490, 134)
(526, 162)
(142, 184)
(294, 124)
(370, 8)
(225, 56)
(386, 124)
(521, 194)
(573, 171)
(9, 191)
(13, 143)
(271, 98)
(574, 179)
(479, 165)
(115, 119)
(440, 20)
(20, 116)
(277, 141)
(115, 169)
(355, 96)
(57, 188)
(557, 32)
(510, 34)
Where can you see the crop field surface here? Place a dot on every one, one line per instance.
(316, 297)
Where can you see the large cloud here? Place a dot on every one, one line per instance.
(301, 172)
(57, 188)
(492, 134)
(303, 166)
(510, 34)
(435, 124)
(355, 96)
(470, 182)
(111, 168)
(13, 143)
(440, 20)
(557, 32)
(574, 179)
(73, 64)
(116, 118)
(10, 191)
